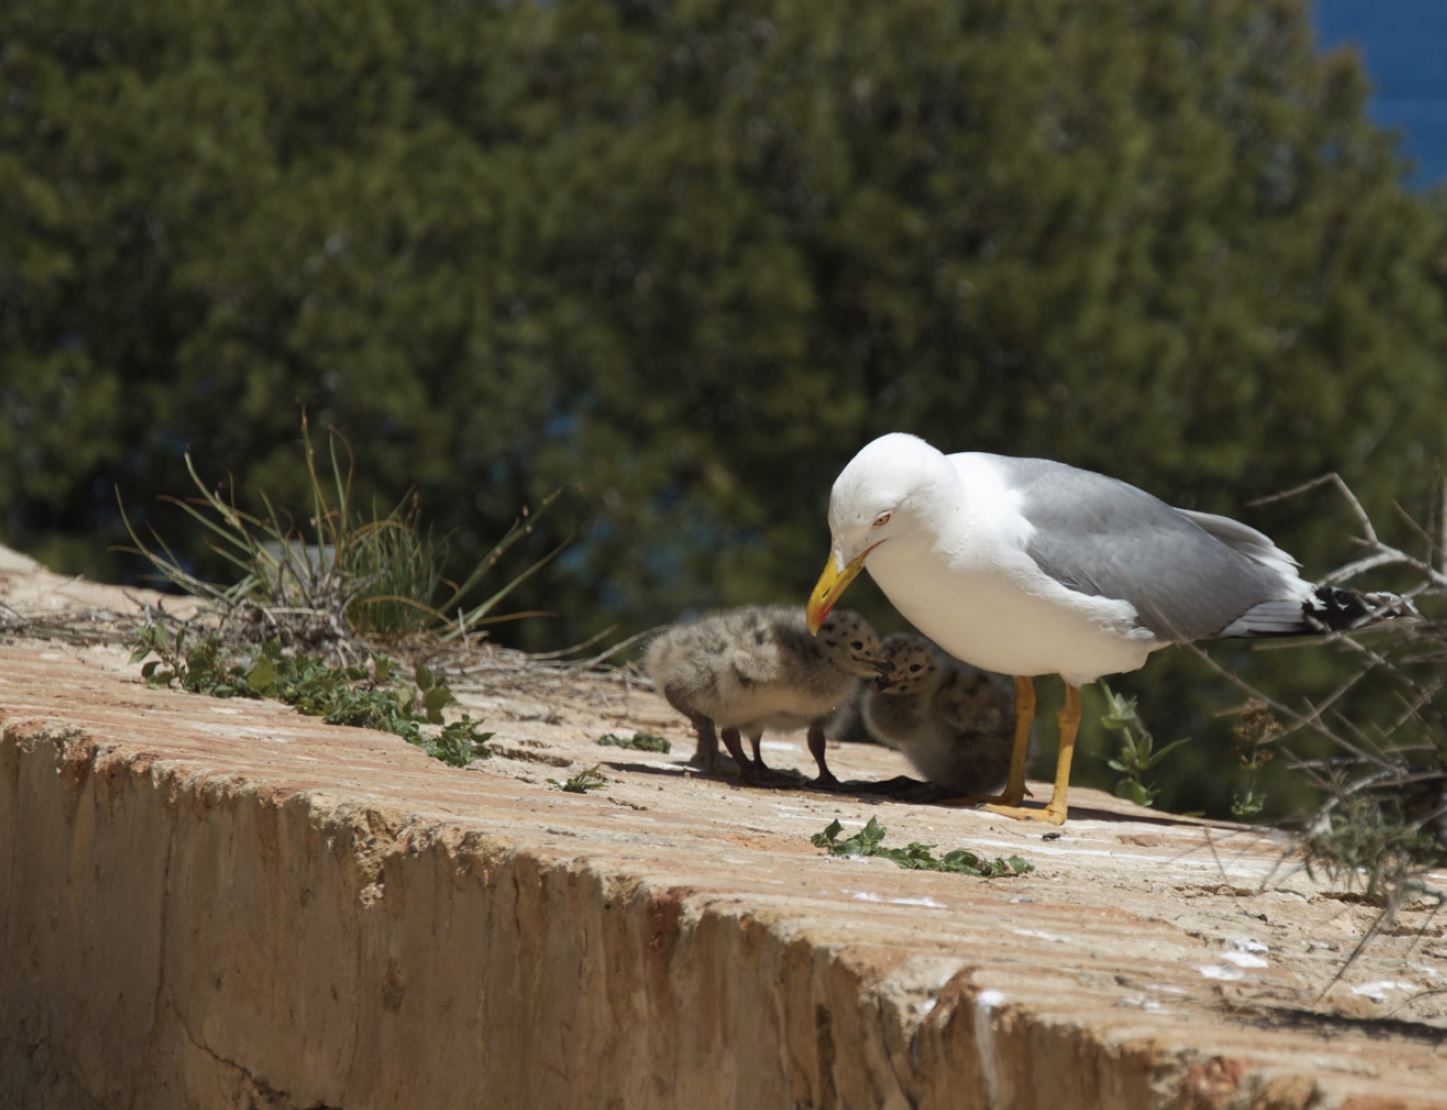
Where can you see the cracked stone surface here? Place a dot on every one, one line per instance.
(223, 903)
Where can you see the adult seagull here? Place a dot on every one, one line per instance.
(1030, 567)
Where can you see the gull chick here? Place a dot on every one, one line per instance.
(757, 667)
(953, 722)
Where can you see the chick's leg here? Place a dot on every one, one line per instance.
(826, 779)
(756, 740)
(730, 737)
(1054, 812)
(706, 754)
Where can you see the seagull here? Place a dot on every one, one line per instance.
(757, 667)
(1030, 567)
(953, 722)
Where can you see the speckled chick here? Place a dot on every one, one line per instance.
(756, 668)
(954, 723)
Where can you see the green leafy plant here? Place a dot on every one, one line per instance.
(869, 841)
(1136, 752)
(202, 667)
(639, 741)
(459, 743)
(587, 779)
(370, 695)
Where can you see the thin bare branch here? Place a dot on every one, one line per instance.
(616, 649)
(582, 645)
(1332, 479)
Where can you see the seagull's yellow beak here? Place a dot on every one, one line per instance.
(830, 587)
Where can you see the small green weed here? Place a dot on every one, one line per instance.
(458, 743)
(201, 668)
(869, 841)
(1256, 730)
(583, 781)
(361, 695)
(639, 741)
(1137, 751)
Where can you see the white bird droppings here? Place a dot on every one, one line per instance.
(1041, 934)
(1244, 959)
(870, 896)
(1378, 989)
(1216, 971)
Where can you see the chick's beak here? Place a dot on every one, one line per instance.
(831, 585)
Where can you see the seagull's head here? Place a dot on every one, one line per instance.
(877, 498)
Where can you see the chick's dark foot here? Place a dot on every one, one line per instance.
(747, 771)
(901, 788)
(750, 775)
(767, 776)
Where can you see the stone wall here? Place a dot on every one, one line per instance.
(223, 904)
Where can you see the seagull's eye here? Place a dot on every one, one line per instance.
(882, 519)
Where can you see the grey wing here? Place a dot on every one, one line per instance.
(1245, 539)
(1107, 538)
(756, 641)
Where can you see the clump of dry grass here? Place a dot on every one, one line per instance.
(335, 580)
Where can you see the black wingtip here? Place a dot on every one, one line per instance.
(1338, 609)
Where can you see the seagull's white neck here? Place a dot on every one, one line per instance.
(939, 502)
(989, 503)
(966, 504)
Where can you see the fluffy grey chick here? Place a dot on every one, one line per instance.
(756, 668)
(954, 723)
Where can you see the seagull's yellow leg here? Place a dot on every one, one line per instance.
(1024, 719)
(1069, 722)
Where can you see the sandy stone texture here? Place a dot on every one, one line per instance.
(211, 903)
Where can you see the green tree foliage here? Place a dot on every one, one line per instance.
(693, 255)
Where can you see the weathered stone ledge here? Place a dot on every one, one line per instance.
(208, 903)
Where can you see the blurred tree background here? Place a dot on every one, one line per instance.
(692, 256)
